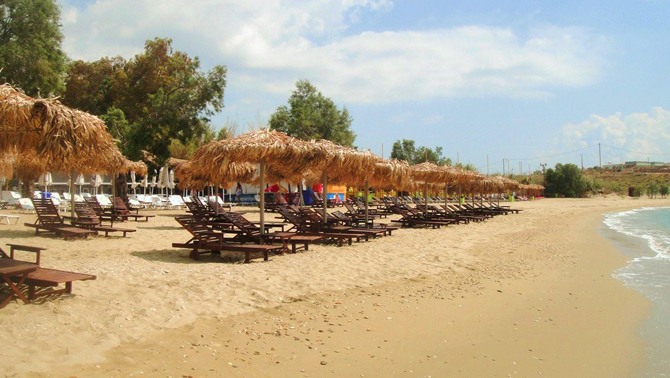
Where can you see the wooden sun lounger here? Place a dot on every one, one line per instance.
(207, 240)
(88, 218)
(198, 249)
(49, 220)
(408, 220)
(295, 239)
(122, 211)
(45, 277)
(302, 227)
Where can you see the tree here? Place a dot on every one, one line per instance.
(566, 180)
(89, 86)
(663, 190)
(311, 115)
(652, 190)
(407, 151)
(161, 93)
(30, 46)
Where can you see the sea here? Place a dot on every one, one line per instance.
(644, 236)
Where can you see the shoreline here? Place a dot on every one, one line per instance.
(646, 274)
(496, 299)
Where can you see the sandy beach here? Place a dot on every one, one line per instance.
(516, 296)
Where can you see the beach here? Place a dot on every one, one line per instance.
(519, 295)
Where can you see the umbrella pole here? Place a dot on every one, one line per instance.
(325, 198)
(262, 202)
(72, 193)
(367, 200)
(446, 197)
(425, 199)
(301, 199)
(113, 191)
(460, 194)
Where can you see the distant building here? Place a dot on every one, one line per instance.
(631, 164)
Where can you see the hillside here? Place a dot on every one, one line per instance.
(619, 182)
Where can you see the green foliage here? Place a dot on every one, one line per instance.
(181, 150)
(30, 46)
(652, 190)
(566, 180)
(637, 191)
(467, 167)
(117, 125)
(406, 150)
(161, 92)
(228, 130)
(91, 86)
(311, 115)
(663, 190)
(616, 188)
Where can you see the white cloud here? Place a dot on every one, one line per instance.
(432, 120)
(268, 45)
(633, 136)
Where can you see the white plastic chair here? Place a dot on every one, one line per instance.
(26, 205)
(176, 202)
(103, 200)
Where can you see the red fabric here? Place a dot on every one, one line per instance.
(317, 188)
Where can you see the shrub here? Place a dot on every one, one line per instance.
(663, 190)
(652, 190)
(566, 180)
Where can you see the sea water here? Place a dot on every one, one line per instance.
(644, 236)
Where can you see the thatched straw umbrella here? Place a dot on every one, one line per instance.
(190, 179)
(267, 148)
(391, 174)
(430, 173)
(344, 165)
(65, 139)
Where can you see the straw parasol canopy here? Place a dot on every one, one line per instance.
(430, 173)
(64, 138)
(391, 174)
(285, 155)
(344, 165)
(188, 178)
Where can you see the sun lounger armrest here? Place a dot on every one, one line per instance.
(27, 248)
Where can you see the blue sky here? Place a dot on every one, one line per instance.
(529, 81)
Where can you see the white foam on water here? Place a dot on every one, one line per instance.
(649, 273)
(627, 223)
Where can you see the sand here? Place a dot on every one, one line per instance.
(515, 296)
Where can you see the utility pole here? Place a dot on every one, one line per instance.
(503, 166)
(600, 159)
(582, 162)
(520, 168)
(458, 158)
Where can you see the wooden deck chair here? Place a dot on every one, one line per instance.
(50, 221)
(207, 240)
(48, 279)
(86, 217)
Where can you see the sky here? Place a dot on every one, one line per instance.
(520, 83)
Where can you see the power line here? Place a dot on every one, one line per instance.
(561, 154)
(637, 152)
